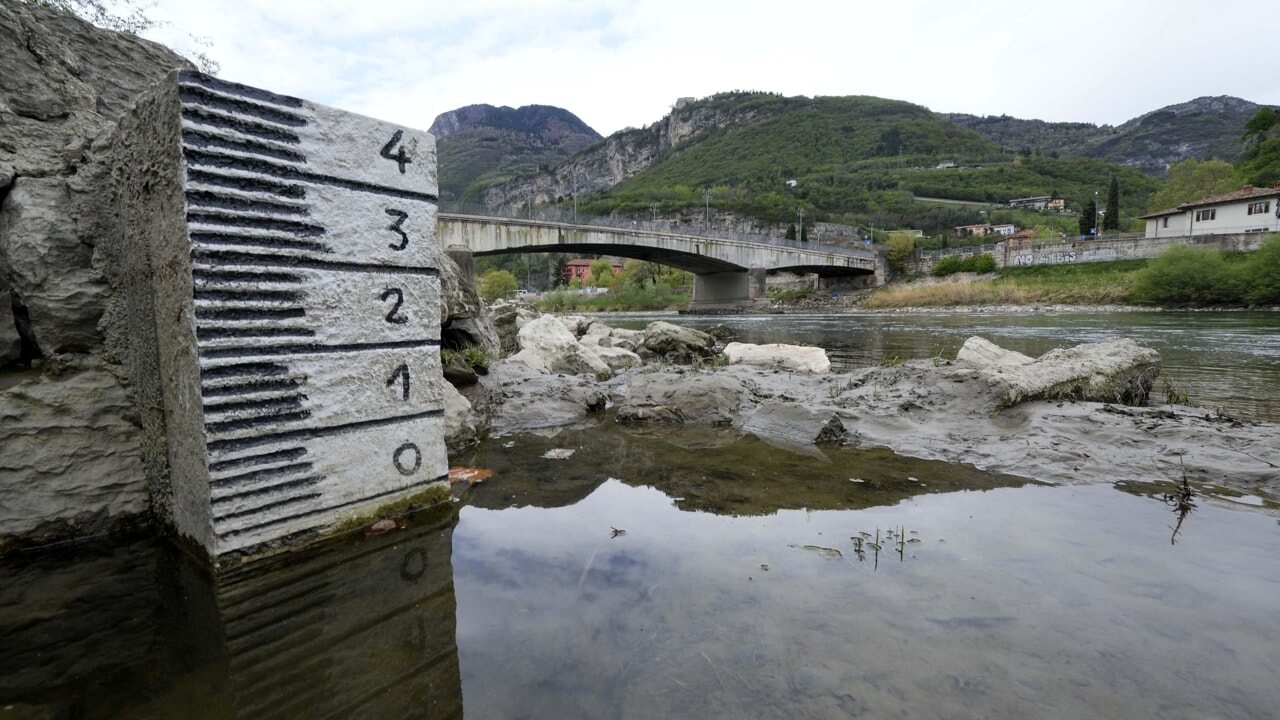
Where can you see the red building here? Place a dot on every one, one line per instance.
(581, 269)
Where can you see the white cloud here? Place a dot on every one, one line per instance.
(622, 63)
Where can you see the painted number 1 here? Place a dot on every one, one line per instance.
(401, 373)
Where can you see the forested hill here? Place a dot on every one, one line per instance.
(1204, 128)
(480, 145)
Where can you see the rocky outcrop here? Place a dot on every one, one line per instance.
(548, 346)
(70, 456)
(795, 423)
(459, 420)
(463, 320)
(507, 317)
(679, 396)
(677, 344)
(1116, 370)
(515, 397)
(791, 358)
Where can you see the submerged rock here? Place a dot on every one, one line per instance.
(796, 423)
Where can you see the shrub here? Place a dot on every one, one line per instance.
(497, 284)
(1184, 275)
(983, 263)
(1263, 273)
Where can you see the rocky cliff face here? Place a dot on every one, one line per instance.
(619, 157)
(70, 458)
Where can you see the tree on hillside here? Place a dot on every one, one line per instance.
(791, 231)
(1193, 179)
(1260, 164)
(1088, 216)
(900, 247)
(1111, 221)
(804, 233)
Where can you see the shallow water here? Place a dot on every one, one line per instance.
(684, 575)
(692, 573)
(1228, 360)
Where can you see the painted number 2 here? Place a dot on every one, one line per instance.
(393, 315)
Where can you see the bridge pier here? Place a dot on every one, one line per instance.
(725, 291)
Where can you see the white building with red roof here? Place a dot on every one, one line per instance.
(1247, 210)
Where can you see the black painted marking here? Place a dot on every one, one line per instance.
(313, 348)
(253, 422)
(213, 83)
(285, 172)
(217, 332)
(219, 276)
(235, 444)
(200, 139)
(222, 201)
(251, 387)
(400, 157)
(269, 506)
(242, 313)
(331, 508)
(263, 459)
(398, 456)
(243, 481)
(276, 489)
(256, 223)
(393, 315)
(394, 227)
(233, 257)
(202, 116)
(246, 184)
(401, 373)
(275, 404)
(250, 295)
(266, 242)
(250, 369)
(195, 95)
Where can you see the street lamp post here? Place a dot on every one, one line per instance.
(1097, 224)
(654, 208)
(800, 235)
(706, 197)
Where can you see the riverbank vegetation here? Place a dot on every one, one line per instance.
(1179, 277)
(629, 297)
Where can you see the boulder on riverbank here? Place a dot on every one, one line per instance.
(1115, 370)
(791, 358)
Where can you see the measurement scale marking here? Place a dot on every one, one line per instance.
(202, 240)
(248, 91)
(232, 314)
(232, 257)
(209, 140)
(208, 117)
(234, 444)
(299, 349)
(256, 479)
(223, 277)
(214, 428)
(286, 455)
(238, 105)
(224, 201)
(217, 519)
(213, 159)
(330, 508)
(246, 184)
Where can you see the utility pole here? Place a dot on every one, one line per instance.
(1096, 225)
(800, 234)
(706, 197)
(654, 208)
(575, 195)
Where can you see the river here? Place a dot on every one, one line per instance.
(608, 572)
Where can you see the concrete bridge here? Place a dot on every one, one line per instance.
(729, 269)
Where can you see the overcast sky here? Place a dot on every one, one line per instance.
(621, 63)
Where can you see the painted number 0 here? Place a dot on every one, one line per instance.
(393, 315)
(398, 459)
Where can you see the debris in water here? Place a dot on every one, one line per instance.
(826, 552)
(558, 454)
(380, 527)
(468, 474)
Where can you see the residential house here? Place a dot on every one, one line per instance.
(1247, 210)
(982, 230)
(580, 268)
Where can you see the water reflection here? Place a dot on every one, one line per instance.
(989, 599)
(355, 628)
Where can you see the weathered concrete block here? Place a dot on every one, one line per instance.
(278, 308)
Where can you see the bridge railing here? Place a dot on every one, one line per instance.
(567, 216)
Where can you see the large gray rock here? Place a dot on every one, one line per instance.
(10, 340)
(47, 262)
(677, 344)
(459, 421)
(64, 82)
(791, 358)
(463, 320)
(515, 397)
(508, 316)
(547, 346)
(1116, 370)
(677, 397)
(70, 455)
(795, 423)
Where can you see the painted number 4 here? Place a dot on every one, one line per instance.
(400, 157)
